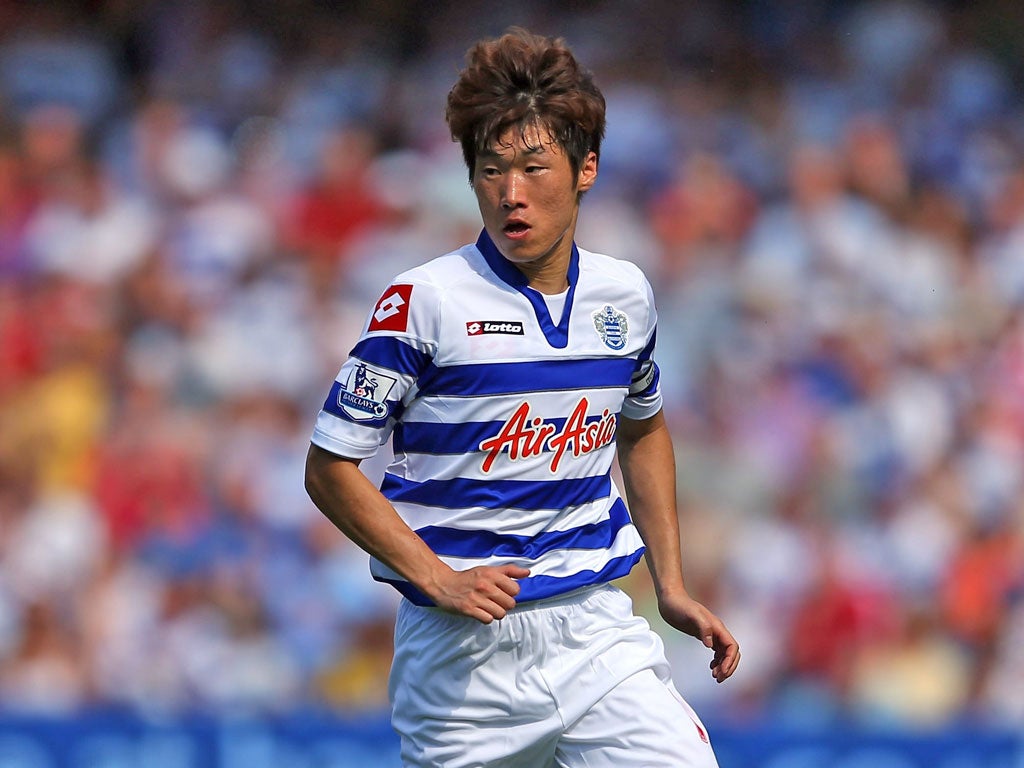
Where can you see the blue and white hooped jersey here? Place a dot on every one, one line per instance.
(503, 418)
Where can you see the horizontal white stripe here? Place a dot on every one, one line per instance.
(437, 409)
(420, 467)
(506, 522)
(563, 562)
(425, 346)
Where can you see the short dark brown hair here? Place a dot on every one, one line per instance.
(518, 80)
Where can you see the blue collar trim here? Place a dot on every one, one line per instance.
(557, 335)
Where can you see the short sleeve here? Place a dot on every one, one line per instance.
(644, 398)
(373, 387)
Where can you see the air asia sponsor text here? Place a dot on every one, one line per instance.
(525, 435)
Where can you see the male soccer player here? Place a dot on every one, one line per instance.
(508, 373)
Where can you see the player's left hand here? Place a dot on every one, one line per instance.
(687, 615)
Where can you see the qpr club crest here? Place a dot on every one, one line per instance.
(364, 394)
(611, 326)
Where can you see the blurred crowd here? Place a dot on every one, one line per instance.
(199, 202)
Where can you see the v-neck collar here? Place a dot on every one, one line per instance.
(557, 335)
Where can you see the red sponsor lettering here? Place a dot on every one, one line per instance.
(523, 436)
(702, 733)
(391, 313)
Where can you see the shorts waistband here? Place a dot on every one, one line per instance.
(574, 597)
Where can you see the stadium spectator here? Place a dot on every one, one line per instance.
(829, 197)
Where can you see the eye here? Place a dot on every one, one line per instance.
(489, 172)
(534, 168)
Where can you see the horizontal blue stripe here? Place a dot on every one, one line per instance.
(515, 378)
(497, 494)
(458, 542)
(410, 592)
(541, 587)
(648, 350)
(443, 439)
(455, 439)
(334, 407)
(393, 353)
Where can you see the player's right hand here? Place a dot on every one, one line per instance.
(484, 593)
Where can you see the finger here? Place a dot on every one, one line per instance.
(508, 586)
(733, 662)
(484, 610)
(718, 672)
(725, 663)
(515, 571)
(484, 617)
(722, 675)
(496, 610)
(725, 651)
(505, 600)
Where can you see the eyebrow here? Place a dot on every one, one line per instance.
(488, 152)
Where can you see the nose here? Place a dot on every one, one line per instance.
(512, 192)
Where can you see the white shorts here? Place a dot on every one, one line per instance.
(575, 681)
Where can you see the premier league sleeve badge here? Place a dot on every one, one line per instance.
(364, 395)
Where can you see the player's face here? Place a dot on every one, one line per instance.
(529, 196)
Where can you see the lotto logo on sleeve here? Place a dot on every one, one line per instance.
(392, 311)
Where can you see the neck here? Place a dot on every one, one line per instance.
(549, 273)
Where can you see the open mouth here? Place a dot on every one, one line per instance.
(514, 228)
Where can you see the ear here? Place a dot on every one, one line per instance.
(588, 173)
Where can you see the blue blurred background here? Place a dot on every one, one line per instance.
(200, 201)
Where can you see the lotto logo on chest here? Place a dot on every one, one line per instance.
(485, 327)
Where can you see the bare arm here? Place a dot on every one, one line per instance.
(648, 468)
(350, 501)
